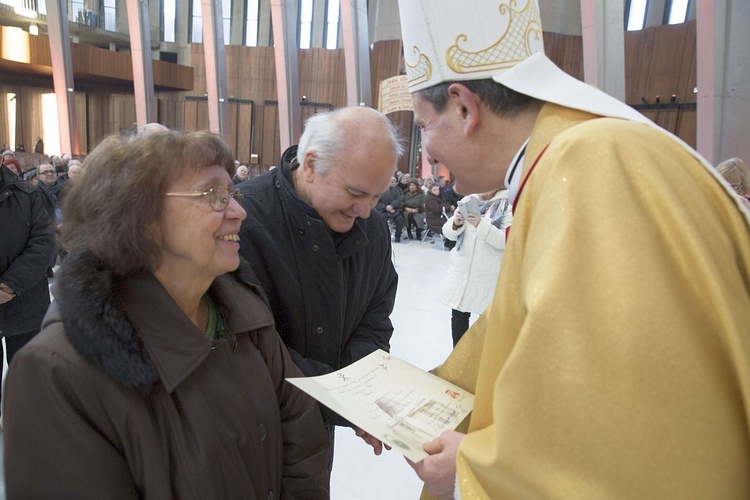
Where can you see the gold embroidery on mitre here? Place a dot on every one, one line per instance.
(512, 47)
(420, 72)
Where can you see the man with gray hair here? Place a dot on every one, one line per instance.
(614, 360)
(320, 251)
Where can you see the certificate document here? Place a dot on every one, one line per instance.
(398, 403)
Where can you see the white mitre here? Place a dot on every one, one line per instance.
(455, 40)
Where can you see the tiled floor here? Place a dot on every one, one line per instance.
(421, 337)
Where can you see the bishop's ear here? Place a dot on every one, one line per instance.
(466, 106)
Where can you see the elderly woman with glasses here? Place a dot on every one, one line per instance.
(158, 372)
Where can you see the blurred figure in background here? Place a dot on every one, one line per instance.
(240, 175)
(735, 172)
(27, 248)
(474, 262)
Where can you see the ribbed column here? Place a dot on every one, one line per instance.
(62, 75)
(356, 52)
(284, 18)
(140, 53)
(603, 30)
(216, 68)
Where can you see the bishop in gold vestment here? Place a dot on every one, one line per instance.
(616, 356)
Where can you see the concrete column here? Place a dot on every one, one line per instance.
(385, 23)
(356, 52)
(284, 15)
(603, 29)
(239, 18)
(264, 24)
(140, 54)
(319, 21)
(181, 37)
(723, 79)
(62, 75)
(216, 68)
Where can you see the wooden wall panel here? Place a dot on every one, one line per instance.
(660, 61)
(386, 60)
(123, 114)
(81, 115)
(269, 152)
(566, 51)
(687, 126)
(322, 76)
(243, 132)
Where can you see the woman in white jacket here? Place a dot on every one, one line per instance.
(474, 263)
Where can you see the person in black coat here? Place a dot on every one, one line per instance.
(319, 249)
(389, 206)
(27, 247)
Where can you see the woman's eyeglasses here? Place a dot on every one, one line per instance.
(218, 196)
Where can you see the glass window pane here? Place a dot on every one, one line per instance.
(197, 29)
(637, 14)
(251, 26)
(41, 7)
(170, 14)
(251, 39)
(227, 28)
(333, 11)
(678, 11)
(304, 35)
(305, 11)
(332, 36)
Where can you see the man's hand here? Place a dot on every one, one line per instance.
(377, 445)
(6, 293)
(438, 471)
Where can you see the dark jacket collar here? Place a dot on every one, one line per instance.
(131, 329)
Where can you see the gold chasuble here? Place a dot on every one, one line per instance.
(615, 357)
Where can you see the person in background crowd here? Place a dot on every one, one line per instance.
(389, 206)
(49, 184)
(474, 262)
(9, 160)
(320, 254)
(735, 172)
(436, 213)
(26, 249)
(412, 203)
(240, 175)
(613, 361)
(74, 170)
(39, 146)
(159, 372)
(403, 182)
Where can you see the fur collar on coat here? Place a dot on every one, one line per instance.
(99, 329)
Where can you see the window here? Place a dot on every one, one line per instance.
(251, 25)
(332, 24)
(11, 101)
(168, 20)
(77, 12)
(226, 13)
(50, 125)
(305, 24)
(678, 10)
(196, 34)
(110, 15)
(636, 14)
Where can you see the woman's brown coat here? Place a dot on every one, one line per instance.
(121, 396)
